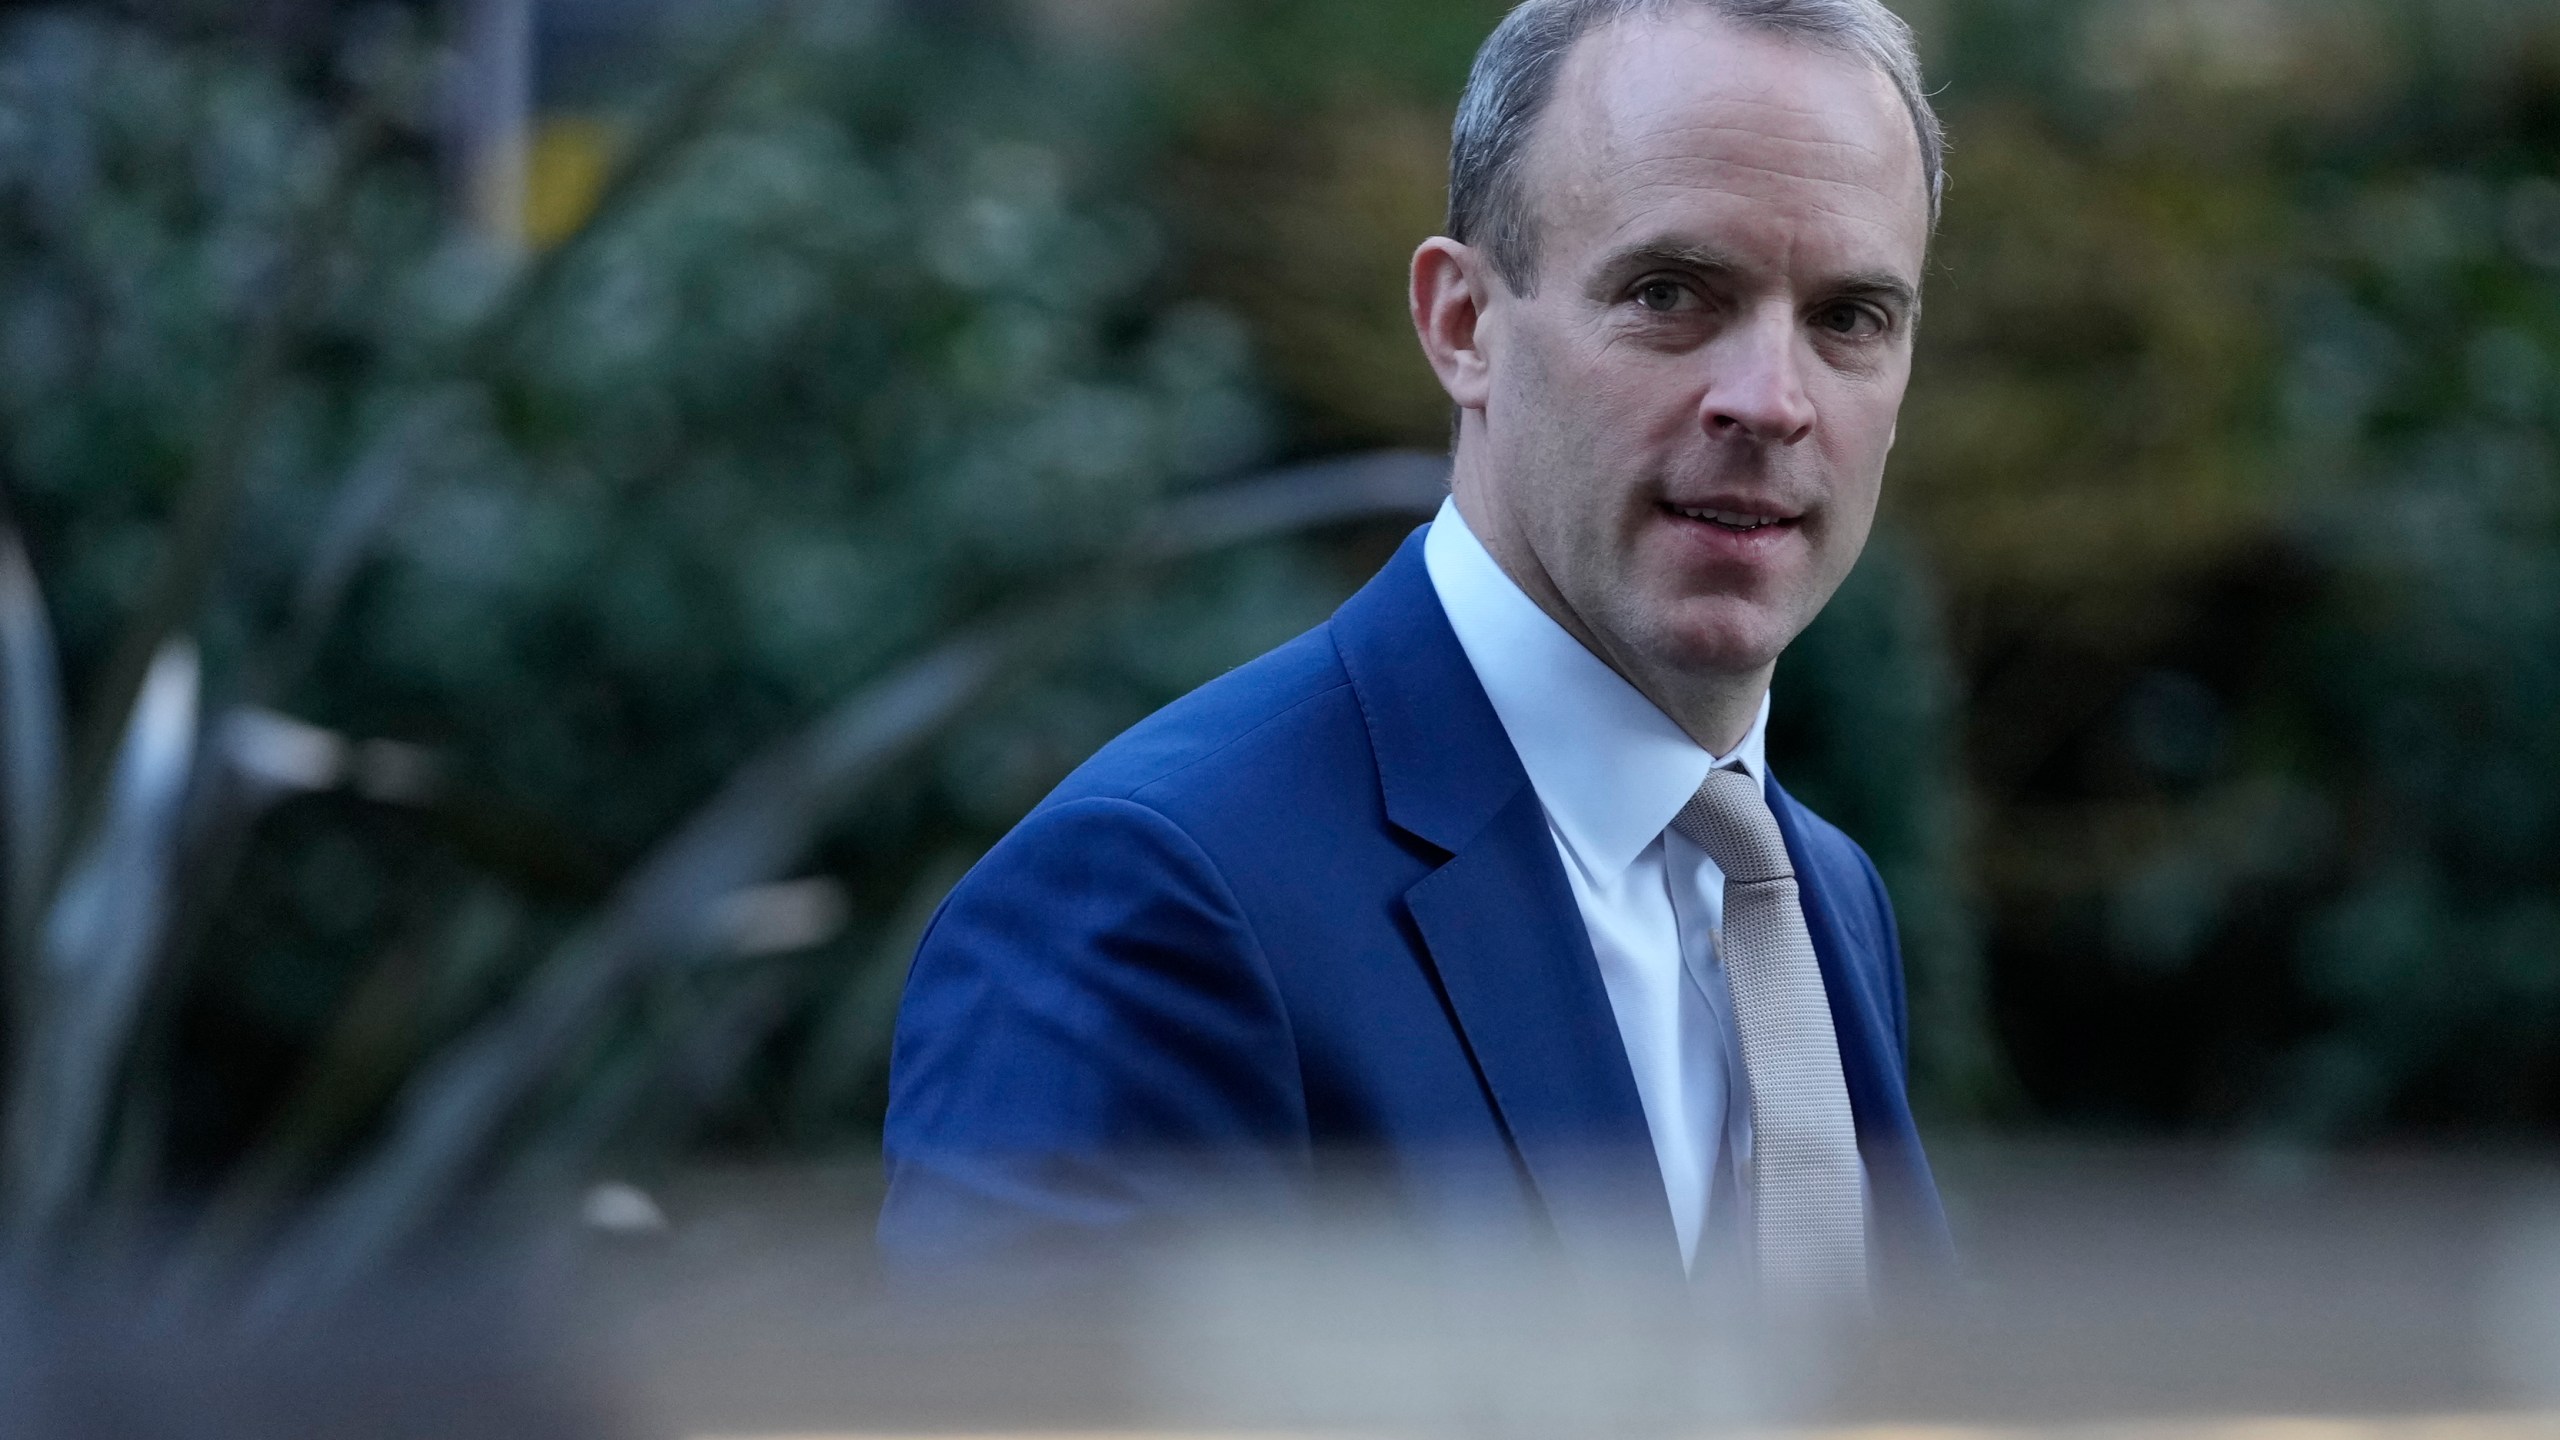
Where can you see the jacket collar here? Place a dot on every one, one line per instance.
(1444, 764)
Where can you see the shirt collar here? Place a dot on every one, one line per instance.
(1609, 767)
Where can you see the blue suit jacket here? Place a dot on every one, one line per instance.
(1314, 909)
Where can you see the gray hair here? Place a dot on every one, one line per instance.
(1515, 76)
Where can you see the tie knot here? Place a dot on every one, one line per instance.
(1729, 819)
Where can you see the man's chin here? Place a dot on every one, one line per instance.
(1738, 647)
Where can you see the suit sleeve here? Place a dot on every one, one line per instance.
(1090, 1045)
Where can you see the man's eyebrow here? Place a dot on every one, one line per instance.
(1883, 287)
(1653, 254)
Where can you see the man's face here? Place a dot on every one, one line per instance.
(1684, 425)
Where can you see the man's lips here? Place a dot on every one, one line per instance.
(1736, 517)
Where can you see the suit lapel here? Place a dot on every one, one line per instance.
(1497, 918)
(1508, 944)
(1869, 1058)
(1855, 971)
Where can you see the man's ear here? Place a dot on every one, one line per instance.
(1450, 286)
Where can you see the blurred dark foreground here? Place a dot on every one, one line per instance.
(2119, 1292)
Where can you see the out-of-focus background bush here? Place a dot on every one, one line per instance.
(563, 525)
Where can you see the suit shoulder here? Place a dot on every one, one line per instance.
(1844, 871)
(1828, 841)
(1215, 737)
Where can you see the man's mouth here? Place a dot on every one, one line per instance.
(1739, 521)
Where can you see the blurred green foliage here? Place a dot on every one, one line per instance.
(2261, 416)
(502, 564)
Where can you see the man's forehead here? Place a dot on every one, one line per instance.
(1686, 98)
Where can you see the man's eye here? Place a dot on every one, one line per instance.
(1661, 294)
(1852, 321)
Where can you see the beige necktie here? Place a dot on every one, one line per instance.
(1807, 1194)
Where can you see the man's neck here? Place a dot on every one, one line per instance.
(1716, 710)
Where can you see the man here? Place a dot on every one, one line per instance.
(1485, 880)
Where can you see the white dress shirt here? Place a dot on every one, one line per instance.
(1611, 771)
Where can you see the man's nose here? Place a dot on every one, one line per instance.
(1755, 388)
